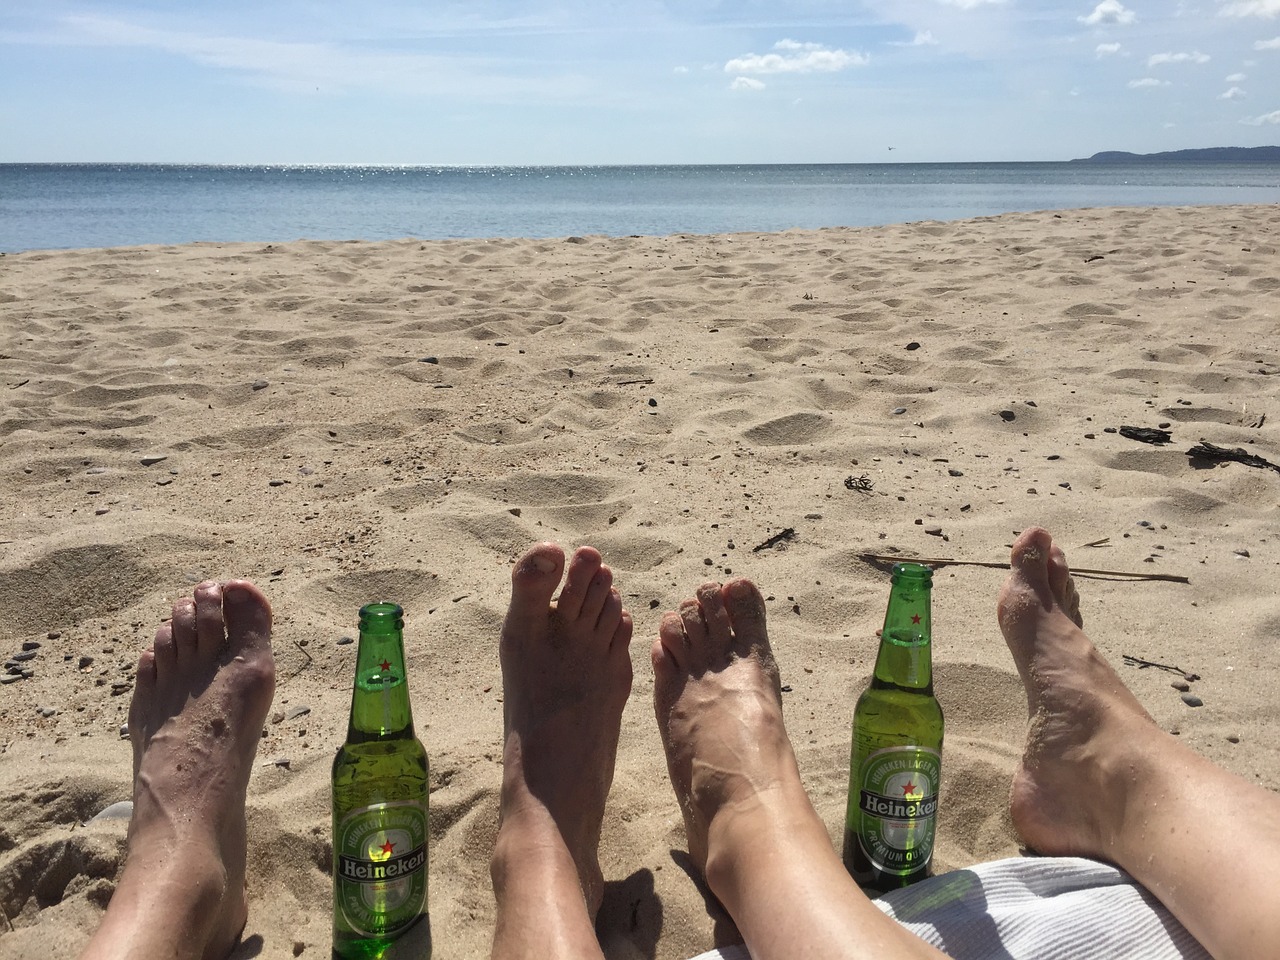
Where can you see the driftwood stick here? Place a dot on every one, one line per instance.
(1075, 571)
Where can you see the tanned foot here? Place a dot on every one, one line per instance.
(566, 674)
(1068, 796)
(718, 703)
(202, 693)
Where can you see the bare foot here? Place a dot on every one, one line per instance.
(203, 690)
(1068, 796)
(719, 707)
(566, 675)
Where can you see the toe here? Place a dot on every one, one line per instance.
(719, 634)
(610, 614)
(582, 571)
(622, 632)
(534, 580)
(247, 616)
(598, 593)
(144, 692)
(210, 631)
(671, 647)
(693, 629)
(182, 640)
(745, 609)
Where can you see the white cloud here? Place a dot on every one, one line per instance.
(923, 38)
(969, 4)
(1272, 117)
(1107, 49)
(1109, 11)
(681, 70)
(1194, 57)
(797, 57)
(1252, 8)
(1147, 82)
(746, 83)
(1272, 44)
(1235, 93)
(1236, 78)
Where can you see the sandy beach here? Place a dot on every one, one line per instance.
(347, 422)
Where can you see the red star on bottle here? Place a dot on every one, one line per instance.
(388, 848)
(908, 789)
(915, 618)
(384, 666)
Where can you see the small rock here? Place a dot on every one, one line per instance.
(121, 810)
(121, 686)
(514, 511)
(11, 678)
(429, 360)
(933, 531)
(898, 411)
(85, 661)
(53, 635)
(1029, 403)
(123, 731)
(343, 641)
(299, 711)
(260, 385)
(1181, 685)
(1065, 486)
(94, 471)
(653, 402)
(276, 483)
(1008, 416)
(298, 947)
(955, 473)
(101, 510)
(913, 345)
(1191, 700)
(1241, 552)
(30, 645)
(24, 656)
(152, 460)
(1233, 738)
(277, 716)
(46, 711)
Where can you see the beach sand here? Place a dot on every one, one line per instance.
(346, 422)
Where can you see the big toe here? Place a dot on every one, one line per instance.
(745, 607)
(246, 614)
(534, 580)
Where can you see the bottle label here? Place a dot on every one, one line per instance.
(898, 806)
(381, 865)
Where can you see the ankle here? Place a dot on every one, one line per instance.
(748, 835)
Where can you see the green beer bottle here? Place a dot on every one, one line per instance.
(896, 758)
(380, 798)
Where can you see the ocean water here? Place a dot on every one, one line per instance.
(44, 206)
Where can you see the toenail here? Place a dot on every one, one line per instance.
(543, 564)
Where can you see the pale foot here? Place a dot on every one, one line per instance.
(566, 675)
(202, 693)
(718, 703)
(1068, 796)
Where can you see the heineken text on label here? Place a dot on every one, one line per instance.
(381, 882)
(898, 802)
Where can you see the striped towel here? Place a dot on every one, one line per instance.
(1034, 908)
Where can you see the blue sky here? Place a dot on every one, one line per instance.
(632, 81)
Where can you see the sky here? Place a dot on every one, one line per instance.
(632, 81)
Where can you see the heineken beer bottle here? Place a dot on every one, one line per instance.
(380, 804)
(895, 760)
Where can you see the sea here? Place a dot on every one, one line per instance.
(77, 205)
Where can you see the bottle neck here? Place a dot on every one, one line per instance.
(905, 658)
(380, 695)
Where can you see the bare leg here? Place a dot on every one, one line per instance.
(202, 693)
(566, 675)
(751, 828)
(1099, 779)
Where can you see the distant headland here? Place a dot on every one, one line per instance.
(1206, 155)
